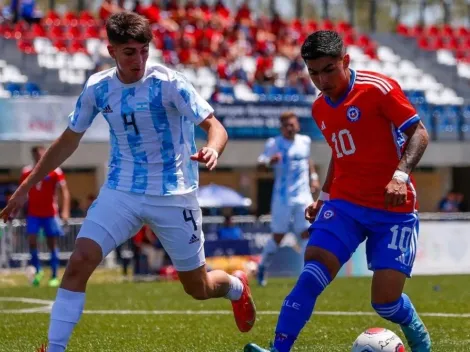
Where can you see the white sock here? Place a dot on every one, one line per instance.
(236, 289)
(269, 250)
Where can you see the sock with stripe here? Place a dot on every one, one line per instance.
(298, 305)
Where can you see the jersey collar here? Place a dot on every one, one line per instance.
(351, 84)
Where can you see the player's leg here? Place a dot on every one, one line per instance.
(33, 225)
(280, 220)
(53, 230)
(335, 235)
(391, 250)
(111, 220)
(180, 232)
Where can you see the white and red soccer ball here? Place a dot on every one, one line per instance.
(378, 340)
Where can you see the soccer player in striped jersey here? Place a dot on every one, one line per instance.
(153, 175)
(376, 139)
(295, 179)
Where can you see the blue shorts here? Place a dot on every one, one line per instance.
(49, 225)
(392, 238)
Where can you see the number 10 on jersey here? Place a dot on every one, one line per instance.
(344, 143)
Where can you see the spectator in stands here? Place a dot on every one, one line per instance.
(76, 210)
(107, 9)
(451, 202)
(264, 74)
(229, 231)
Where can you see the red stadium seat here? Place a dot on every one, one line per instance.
(55, 32)
(70, 19)
(52, 18)
(447, 31)
(86, 19)
(402, 30)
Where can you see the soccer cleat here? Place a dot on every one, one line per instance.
(261, 276)
(54, 282)
(417, 335)
(244, 308)
(38, 277)
(251, 347)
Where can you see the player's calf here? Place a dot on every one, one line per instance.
(298, 305)
(402, 312)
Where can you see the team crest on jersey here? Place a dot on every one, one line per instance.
(328, 214)
(353, 113)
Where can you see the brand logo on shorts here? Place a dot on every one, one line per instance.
(193, 239)
(328, 214)
(353, 113)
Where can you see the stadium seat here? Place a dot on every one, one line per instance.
(466, 123)
(32, 89)
(13, 88)
(446, 122)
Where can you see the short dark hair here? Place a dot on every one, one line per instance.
(322, 43)
(124, 26)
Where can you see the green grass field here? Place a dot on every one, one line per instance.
(153, 316)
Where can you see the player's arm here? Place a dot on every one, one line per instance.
(189, 103)
(396, 107)
(418, 139)
(312, 209)
(60, 150)
(217, 138)
(269, 156)
(64, 190)
(313, 175)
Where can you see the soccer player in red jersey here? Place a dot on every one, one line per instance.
(42, 212)
(376, 139)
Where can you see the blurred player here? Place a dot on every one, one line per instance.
(153, 175)
(295, 181)
(42, 213)
(376, 139)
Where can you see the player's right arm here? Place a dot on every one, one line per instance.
(312, 209)
(60, 150)
(269, 156)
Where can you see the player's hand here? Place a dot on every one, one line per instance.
(15, 203)
(206, 155)
(395, 193)
(312, 210)
(275, 158)
(65, 218)
(314, 186)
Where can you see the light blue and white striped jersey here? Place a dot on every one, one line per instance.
(151, 124)
(291, 173)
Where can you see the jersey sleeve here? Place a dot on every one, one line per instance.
(396, 107)
(188, 101)
(85, 111)
(268, 152)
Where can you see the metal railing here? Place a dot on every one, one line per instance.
(14, 242)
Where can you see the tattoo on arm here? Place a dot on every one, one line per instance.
(417, 143)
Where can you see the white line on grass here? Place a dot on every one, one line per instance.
(47, 304)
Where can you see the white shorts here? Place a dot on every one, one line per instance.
(287, 218)
(115, 216)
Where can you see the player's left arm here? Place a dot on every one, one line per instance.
(418, 140)
(64, 190)
(401, 112)
(314, 179)
(190, 103)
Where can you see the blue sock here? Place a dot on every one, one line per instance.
(54, 262)
(398, 312)
(66, 312)
(298, 305)
(35, 259)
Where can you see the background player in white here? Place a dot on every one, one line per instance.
(295, 179)
(152, 178)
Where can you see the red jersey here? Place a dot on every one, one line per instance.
(365, 132)
(42, 200)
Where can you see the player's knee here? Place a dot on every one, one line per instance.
(82, 262)
(314, 278)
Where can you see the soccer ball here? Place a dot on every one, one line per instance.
(378, 340)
